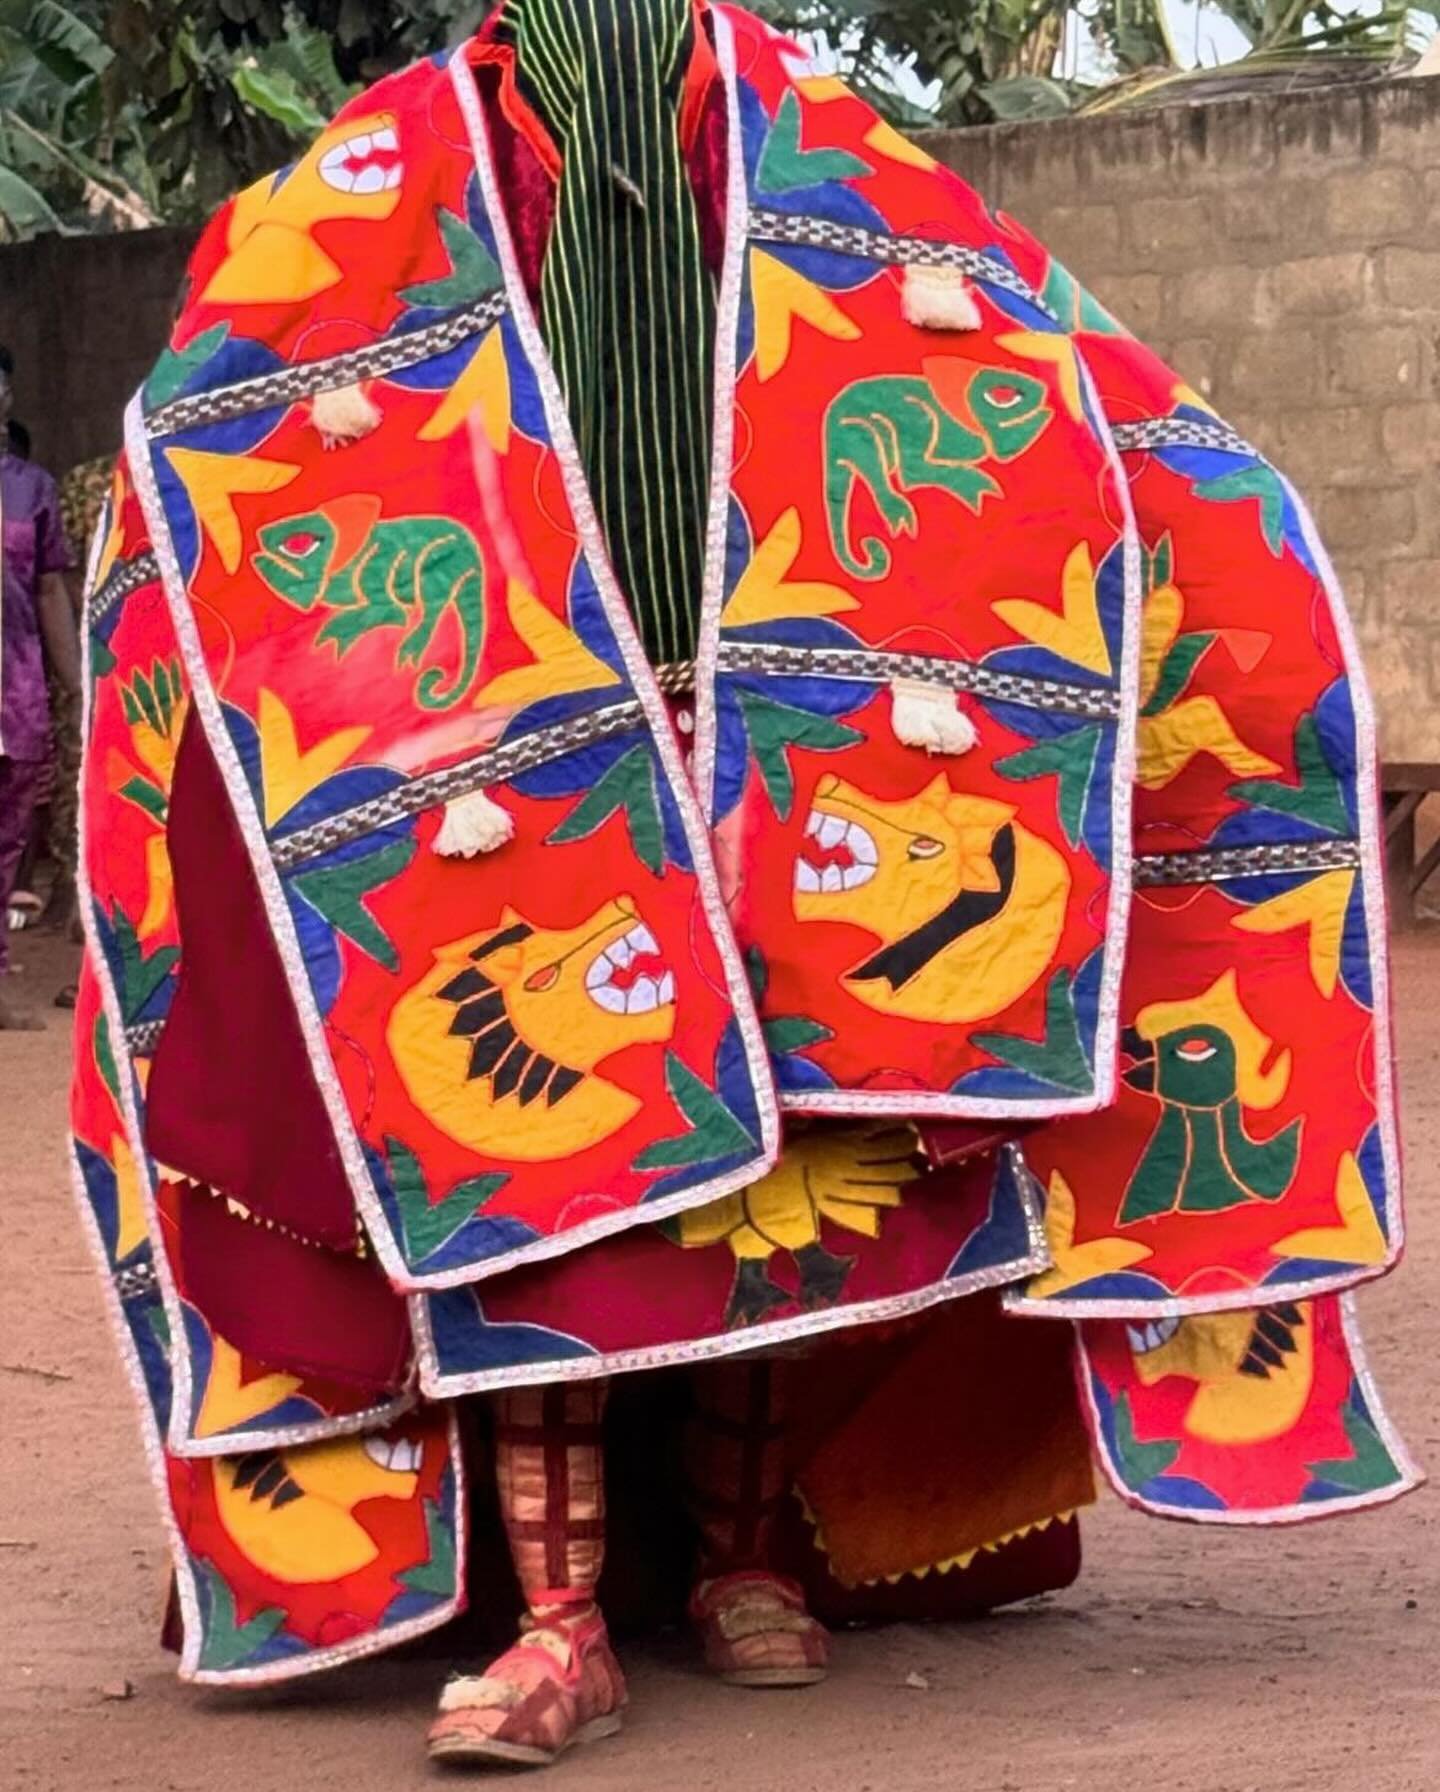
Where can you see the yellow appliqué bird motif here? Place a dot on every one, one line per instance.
(847, 1177)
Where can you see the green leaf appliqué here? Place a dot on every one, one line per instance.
(228, 1644)
(1137, 1462)
(1259, 482)
(1070, 757)
(713, 1131)
(337, 893)
(1319, 798)
(175, 366)
(473, 269)
(436, 1574)
(1059, 1058)
(1370, 1468)
(785, 166)
(773, 728)
(628, 786)
(429, 1224)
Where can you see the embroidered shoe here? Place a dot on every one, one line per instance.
(757, 1632)
(558, 1686)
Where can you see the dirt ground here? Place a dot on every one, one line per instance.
(1203, 1660)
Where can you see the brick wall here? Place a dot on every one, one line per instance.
(85, 318)
(1284, 254)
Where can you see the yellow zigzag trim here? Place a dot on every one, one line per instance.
(963, 1560)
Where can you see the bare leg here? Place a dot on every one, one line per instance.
(560, 1684)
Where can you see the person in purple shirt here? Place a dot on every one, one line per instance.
(36, 621)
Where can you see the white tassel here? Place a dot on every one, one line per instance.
(473, 824)
(343, 414)
(938, 299)
(926, 715)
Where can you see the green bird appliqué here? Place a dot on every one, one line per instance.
(1200, 1159)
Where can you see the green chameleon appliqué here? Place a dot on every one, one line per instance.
(892, 435)
(406, 573)
(1200, 1159)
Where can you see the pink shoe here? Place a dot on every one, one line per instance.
(559, 1685)
(757, 1632)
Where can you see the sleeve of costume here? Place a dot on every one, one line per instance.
(214, 1418)
(1205, 1227)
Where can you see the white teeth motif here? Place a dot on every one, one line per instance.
(834, 830)
(337, 170)
(646, 993)
(1145, 1338)
(401, 1457)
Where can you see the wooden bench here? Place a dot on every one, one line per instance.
(1405, 788)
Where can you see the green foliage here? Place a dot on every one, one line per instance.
(116, 114)
(988, 60)
(120, 113)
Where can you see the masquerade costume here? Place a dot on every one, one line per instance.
(689, 748)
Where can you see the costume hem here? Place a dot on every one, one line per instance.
(857, 1104)
(376, 1642)
(436, 1384)
(1296, 1513)
(291, 1437)
(1183, 1306)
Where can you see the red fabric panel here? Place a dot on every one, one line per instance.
(290, 1305)
(231, 1099)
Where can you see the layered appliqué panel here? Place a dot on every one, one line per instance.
(1266, 1415)
(287, 1559)
(1237, 1158)
(852, 1226)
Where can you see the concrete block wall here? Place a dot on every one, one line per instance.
(85, 318)
(1284, 253)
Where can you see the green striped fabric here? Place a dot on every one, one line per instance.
(627, 304)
